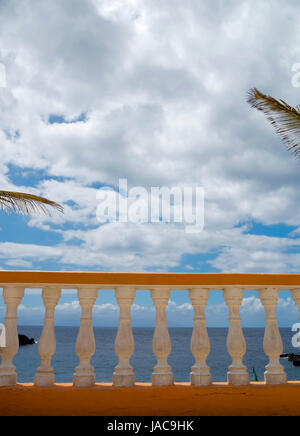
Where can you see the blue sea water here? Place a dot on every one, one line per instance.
(143, 360)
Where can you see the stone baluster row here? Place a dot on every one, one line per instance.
(200, 344)
(124, 345)
(236, 346)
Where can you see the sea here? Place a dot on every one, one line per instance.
(181, 359)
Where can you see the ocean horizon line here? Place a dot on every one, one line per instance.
(146, 326)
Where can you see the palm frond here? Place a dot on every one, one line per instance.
(27, 204)
(284, 118)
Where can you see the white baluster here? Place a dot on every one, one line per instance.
(85, 345)
(12, 298)
(200, 345)
(124, 345)
(236, 344)
(47, 343)
(272, 341)
(296, 297)
(162, 373)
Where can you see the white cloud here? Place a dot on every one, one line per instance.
(163, 89)
(251, 305)
(19, 263)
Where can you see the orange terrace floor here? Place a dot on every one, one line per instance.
(146, 400)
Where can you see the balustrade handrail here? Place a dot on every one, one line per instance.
(125, 285)
(147, 279)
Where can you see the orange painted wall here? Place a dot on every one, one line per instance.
(146, 400)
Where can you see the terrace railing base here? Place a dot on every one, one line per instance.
(8, 379)
(201, 379)
(84, 381)
(123, 380)
(238, 379)
(162, 379)
(275, 378)
(44, 380)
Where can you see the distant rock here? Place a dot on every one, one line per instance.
(24, 340)
(295, 358)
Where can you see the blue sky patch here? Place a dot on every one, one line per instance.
(60, 119)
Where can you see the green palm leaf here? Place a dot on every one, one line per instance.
(26, 204)
(284, 118)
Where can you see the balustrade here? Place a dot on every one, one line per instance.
(160, 285)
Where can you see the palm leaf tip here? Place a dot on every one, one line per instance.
(27, 204)
(284, 118)
(253, 97)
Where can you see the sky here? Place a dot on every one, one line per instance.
(153, 92)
